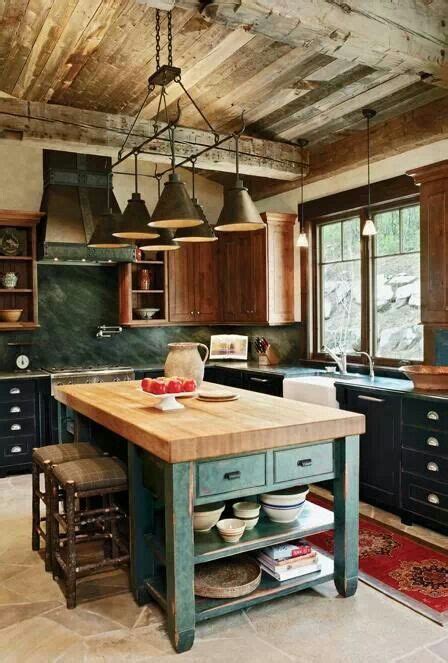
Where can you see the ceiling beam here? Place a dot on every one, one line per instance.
(419, 127)
(74, 129)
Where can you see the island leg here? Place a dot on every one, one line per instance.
(346, 515)
(180, 602)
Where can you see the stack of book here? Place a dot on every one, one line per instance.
(289, 560)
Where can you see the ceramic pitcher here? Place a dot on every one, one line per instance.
(185, 361)
(9, 280)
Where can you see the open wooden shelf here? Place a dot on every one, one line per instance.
(13, 258)
(17, 326)
(149, 292)
(132, 297)
(148, 262)
(15, 291)
(154, 322)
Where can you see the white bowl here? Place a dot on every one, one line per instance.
(206, 516)
(231, 529)
(283, 514)
(248, 512)
(287, 497)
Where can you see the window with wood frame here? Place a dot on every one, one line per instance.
(367, 291)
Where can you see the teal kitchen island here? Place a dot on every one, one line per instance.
(210, 452)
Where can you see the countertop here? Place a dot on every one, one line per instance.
(23, 375)
(202, 430)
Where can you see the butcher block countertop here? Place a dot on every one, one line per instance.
(207, 430)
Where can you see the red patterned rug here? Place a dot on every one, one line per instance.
(399, 565)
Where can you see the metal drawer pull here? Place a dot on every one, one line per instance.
(305, 462)
(15, 409)
(16, 450)
(232, 475)
(433, 499)
(259, 380)
(371, 398)
(14, 390)
(432, 466)
(433, 415)
(16, 427)
(432, 442)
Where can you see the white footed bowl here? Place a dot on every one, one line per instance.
(206, 516)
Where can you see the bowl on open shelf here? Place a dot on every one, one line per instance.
(146, 313)
(431, 378)
(284, 506)
(231, 529)
(10, 314)
(248, 512)
(206, 516)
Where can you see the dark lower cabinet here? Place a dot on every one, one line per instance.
(265, 383)
(231, 377)
(379, 472)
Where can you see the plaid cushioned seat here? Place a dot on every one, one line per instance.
(92, 473)
(61, 453)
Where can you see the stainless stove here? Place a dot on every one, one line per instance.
(88, 374)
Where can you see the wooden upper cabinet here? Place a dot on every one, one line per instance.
(192, 277)
(280, 260)
(433, 181)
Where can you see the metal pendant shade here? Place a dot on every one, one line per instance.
(105, 234)
(135, 221)
(202, 233)
(239, 212)
(175, 208)
(164, 242)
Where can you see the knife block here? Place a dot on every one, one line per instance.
(268, 358)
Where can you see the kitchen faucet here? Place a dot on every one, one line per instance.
(371, 364)
(340, 359)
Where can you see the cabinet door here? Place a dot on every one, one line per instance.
(379, 447)
(206, 293)
(256, 283)
(232, 248)
(181, 284)
(280, 249)
(263, 383)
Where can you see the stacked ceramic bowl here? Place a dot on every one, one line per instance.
(231, 529)
(249, 512)
(206, 516)
(284, 506)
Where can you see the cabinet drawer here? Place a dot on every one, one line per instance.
(425, 465)
(429, 441)
(264, 383)
(425, 498)
(302, 462)
(16, 450)
(16, 390)
(431, 414)
(217, 477)
(14, 410)
(11, 427)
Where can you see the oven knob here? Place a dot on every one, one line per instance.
(116, 379)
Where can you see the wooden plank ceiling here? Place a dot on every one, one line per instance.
(97, 55)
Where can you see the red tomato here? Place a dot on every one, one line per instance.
(174, 386)
(158, 387)
(189, 385)
(146, 384)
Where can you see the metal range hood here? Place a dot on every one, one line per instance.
(75, 195)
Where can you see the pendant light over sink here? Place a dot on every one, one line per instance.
(302, 240)
(369, 227)
(202, 233)
(136, 216)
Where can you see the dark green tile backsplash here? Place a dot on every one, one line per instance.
(75, 300)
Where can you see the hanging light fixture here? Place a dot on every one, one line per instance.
(164, 241)
(239, 211)
(369, 227)
(202, 233)
(105, 234)
(302, 240)
(136, 216)
(175, 208)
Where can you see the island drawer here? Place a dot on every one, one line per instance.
(16, 390)
(16, 450)
(13, 410)
(217, 477)
(13, 427)
(425, 498)
(432, 442)
(430, 414)
(303, 461)
(425, 465)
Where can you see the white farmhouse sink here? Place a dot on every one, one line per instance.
(312, 389)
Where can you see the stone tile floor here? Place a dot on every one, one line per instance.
(107, 627)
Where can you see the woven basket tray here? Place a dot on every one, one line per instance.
(227, 578)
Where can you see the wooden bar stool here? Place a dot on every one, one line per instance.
(43, 458)
(86, 478)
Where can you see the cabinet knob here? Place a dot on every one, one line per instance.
(15, 409)
(432, 466)
(191, 312)
(433, 498)
(14, 390)
(433, 415)
(432, 442)
(16, 427)
(198, 313)
(16, 449)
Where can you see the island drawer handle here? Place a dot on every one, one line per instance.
(432, 442)
(16, 449)
(371, 398)
(433, 499)
(14, 390)
(16, 427)
(433, 415)
(432, 466)
(264, 380)
(232, 475)
(305, 462)
(15, 409)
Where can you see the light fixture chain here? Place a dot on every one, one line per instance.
(170, 40)
(157, 38)
(368, 166)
